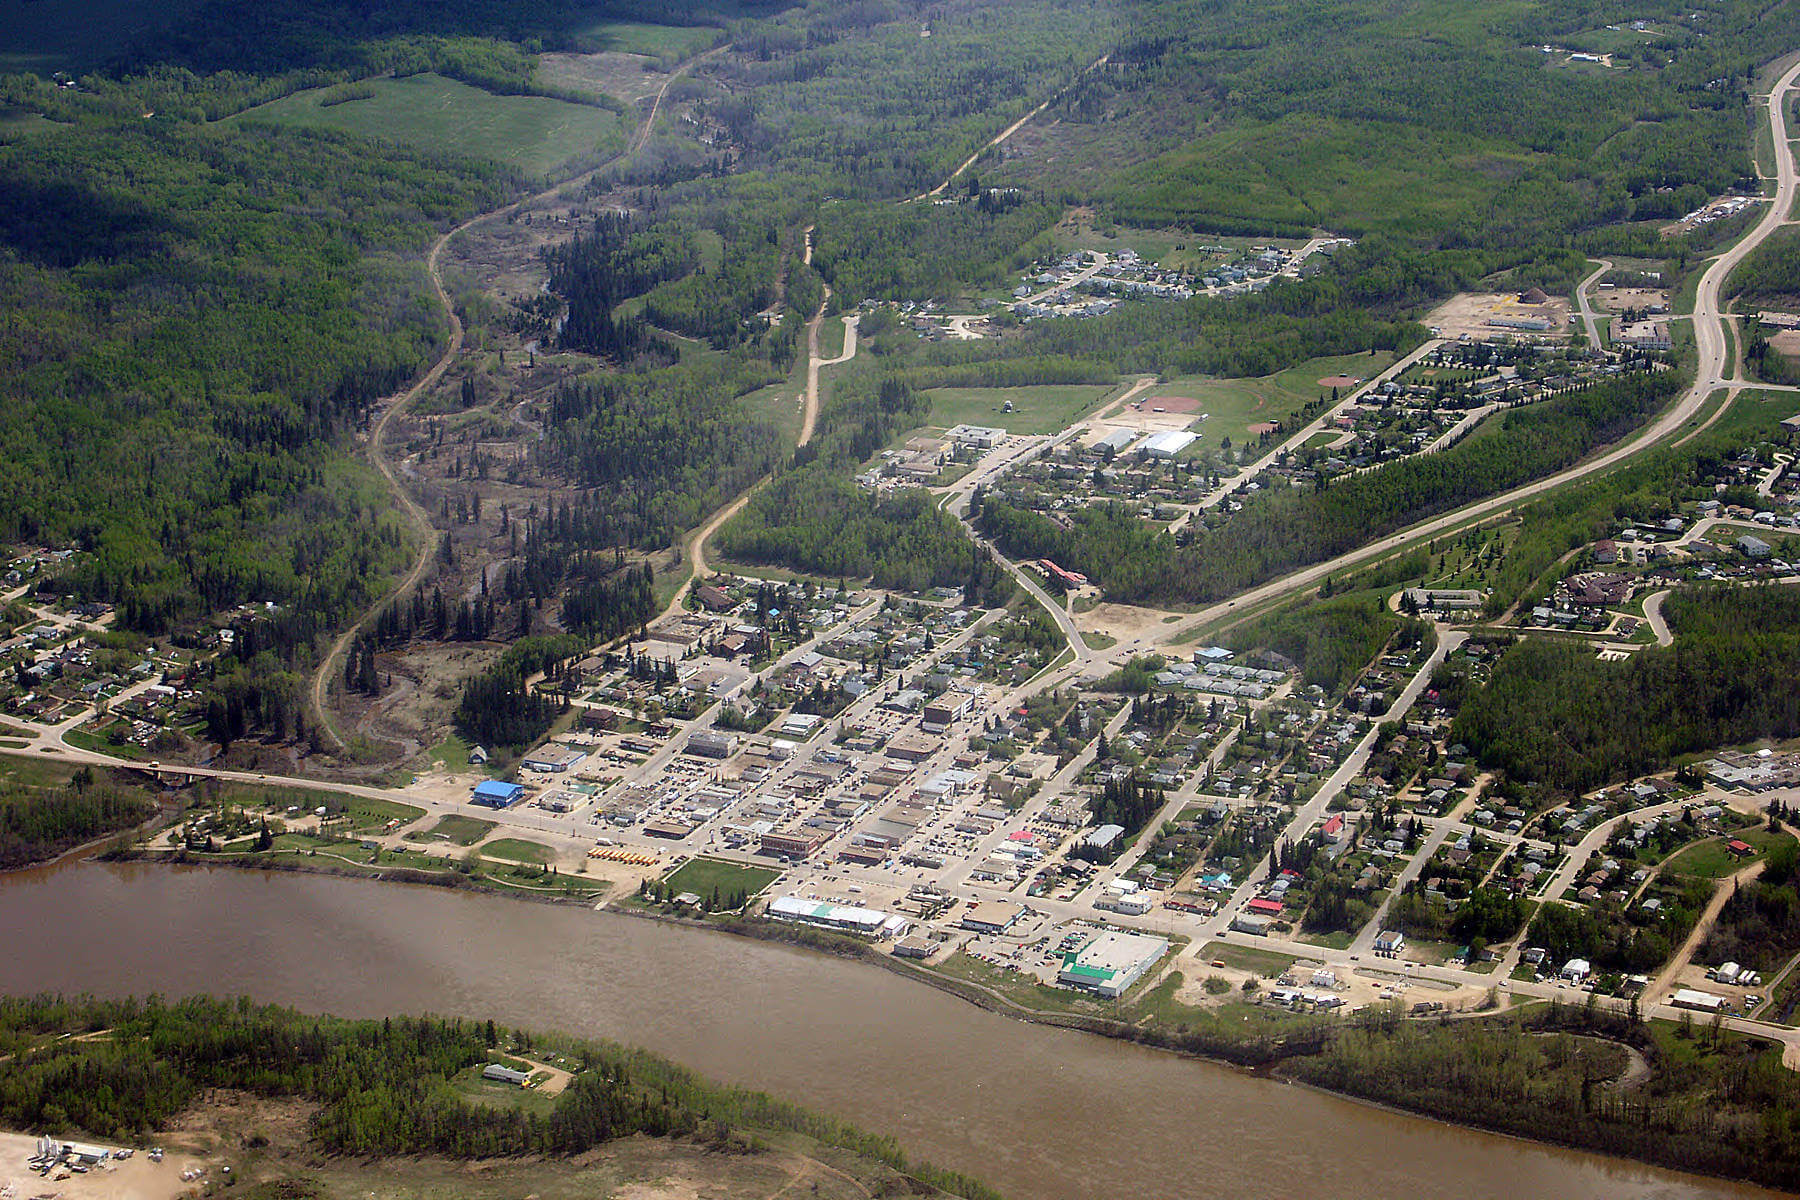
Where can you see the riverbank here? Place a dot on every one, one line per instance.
(1324, 1052)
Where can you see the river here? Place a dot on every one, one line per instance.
(1037, 1112)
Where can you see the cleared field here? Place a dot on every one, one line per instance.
(518, 850)
(701, 875)
(464, 831)
(1036, 410)
(533, 133)
(1233, 405)
(1247, 958)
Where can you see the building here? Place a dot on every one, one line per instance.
(495, 794)
(1111, 963)
(553, 760)
(1168, 445)
(1577, 969)
(1246, 922)
(709, 743)
(792, 843)
(1104, 838)
(1444, 599)
(982, 437)
(867, 922)
(941, 713)
(500, 1074)
(1641, 335)
(992, 916)
(1752, 546)
(1115, 441)
(1390, 941)
(714, 599)
(1691, 998)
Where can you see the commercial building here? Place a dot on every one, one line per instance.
(941, 713)
(868, 922)
(1111, 963)
(982, 437)
(495, 794)
(793, 843)
(1251, 923)
(711, 744)
(553, 760)
(1105, 837)
(992, 916)
(1390, 941)
(1699, 1001)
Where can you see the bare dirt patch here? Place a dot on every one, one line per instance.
(629, 77)
(1340, 381)
(1474, 315)
(1171, 404)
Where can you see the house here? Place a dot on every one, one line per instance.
(499, 1074)
(477, 756)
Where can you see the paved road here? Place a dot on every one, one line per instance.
(1712, 372)
(1653, 615)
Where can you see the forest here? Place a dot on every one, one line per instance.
(39, 822)
(383, 1087)
(1555, 716)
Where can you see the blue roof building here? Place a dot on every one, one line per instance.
(498, 795)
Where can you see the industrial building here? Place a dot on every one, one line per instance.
(1698, 1001)
(1168, 445)
(495, 794)
(868, 922)
(1111, 963)
(1116, 441)
(499, 1074)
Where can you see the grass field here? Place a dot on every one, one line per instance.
(533, 133)
(701, 875)
(1711, 860)
(464, 831)
(519, 850)
(1036, 410)
(657, 41)
(1233, 405)
(1246, 958)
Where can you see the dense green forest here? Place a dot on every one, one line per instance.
(1331, 641)
(1555, 715)
(1759, 927)
(39, 822)
(1287, 529)
(383, 1087)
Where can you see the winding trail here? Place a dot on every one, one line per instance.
(453, 345)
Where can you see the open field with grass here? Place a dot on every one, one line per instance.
(1036, 410)
(1233, 405)
(1247, 958)
(702, 875)
(1711, 860)
(464, 831)
(518, 850)
(534, 133)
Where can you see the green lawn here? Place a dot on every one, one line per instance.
(534, 133)
(1247, 958)
(1036, 410)
(657, 41)
(464, 831)
(493, 1094)
(518, 850)
(1711, 860)
(1233, 405)
(701, 875)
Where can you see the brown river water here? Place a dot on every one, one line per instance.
(1037, 1112)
